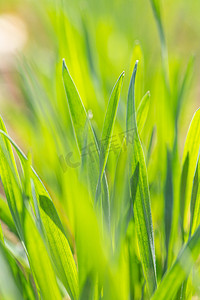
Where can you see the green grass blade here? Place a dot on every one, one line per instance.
(156, 6)
(64, 262)
(131, 123)
(77, 110)
(1, 234)
(191, 150)
(10, 179)
(142, 111)
(58, 244)
(184, 87)
(183, 188)
(39, 260)
(195, 201)
(79, 120)
(173, 279)
(142, 209)
(6, 216)
(168, 205)
(20, 269)
(150, 146)
(8, 286)
(108, 125)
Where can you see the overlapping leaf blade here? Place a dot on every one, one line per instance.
(39, 260)
(108, 125)
(191, 152)
(6, 216)
(8, 286)
(142, 111)
(180, 270)
(168, 205)
(58, 244)
(10, 180)
(195, 201)
(79, 119)
(142, 209)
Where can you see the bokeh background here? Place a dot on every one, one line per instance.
(98, 39)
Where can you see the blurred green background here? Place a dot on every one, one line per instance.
(98, 39)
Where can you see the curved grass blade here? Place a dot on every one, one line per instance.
(168, 205)
(150, 146)
(10, 179)
(107, 130)
(58, 244)
(183, 188)
(184, 87)
(6, 216)
(195, 201)
(121, 206)
(20, 270)
(1, 234)
(173, 279)
(90, 289)
(39, 260)
(142, 209)
(142, 111)
(65, 269)
(139, 85)
(8, 286)
(157, 14)
(79, 118)
(191, 152)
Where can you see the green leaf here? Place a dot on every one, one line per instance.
(10, 179)
(64, 262)
(156, 7)
(108, 125)
(184, 87)
(180, 270)
(90, 289)
(142, 209)
(191, 151)
(168, 205)
(195, 201)
(142, 111)
(1, 234)
(149, 150)
(183, 187)
(58, 244)
(20, 269)
(107, 130)
(79, 120)
(8, 286)
(39, 260)
(6, 216)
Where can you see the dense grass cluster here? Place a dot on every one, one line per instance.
(116, 212)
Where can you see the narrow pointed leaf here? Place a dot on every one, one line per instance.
(195, 201)
(168, 204)
(108, 125)
(6, 216)
(8, 287)
(39, 260)
(58, 244)
(173, 279)
(191, 149)
(142, 111)
(142, 209)
(10, 179)
(79, 119)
